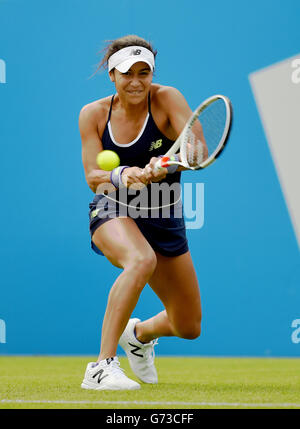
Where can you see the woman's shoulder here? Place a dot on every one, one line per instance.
(165, 96)
(96, 110)
(163, 90)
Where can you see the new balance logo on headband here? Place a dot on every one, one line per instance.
(123, 59)
(136, 52)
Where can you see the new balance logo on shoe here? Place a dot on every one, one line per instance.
(135, 349)
(100, 372)
(140, 355)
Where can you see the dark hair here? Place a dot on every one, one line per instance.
(113, 46)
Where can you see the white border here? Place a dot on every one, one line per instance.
(133, 141)
(203, 404)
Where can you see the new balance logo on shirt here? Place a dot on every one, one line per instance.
(155, 145)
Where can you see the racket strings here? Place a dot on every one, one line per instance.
(205, 136)
(214, 122)
(194, 149)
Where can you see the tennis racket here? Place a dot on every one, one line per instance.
(204, 136)
(201, 141)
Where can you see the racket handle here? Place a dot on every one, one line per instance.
(162, 163)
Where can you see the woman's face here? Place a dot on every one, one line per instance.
(135, 83)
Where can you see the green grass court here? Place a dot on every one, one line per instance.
(191, 382)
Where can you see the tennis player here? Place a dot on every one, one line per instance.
(140, 122)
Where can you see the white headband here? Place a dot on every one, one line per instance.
(126, 57)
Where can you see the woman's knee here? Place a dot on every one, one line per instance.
(189, 330)
(142, 263)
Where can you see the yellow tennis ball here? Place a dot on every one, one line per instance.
(108, 160)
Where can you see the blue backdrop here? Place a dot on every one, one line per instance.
(53, 287)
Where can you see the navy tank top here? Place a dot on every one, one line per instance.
(150, 142)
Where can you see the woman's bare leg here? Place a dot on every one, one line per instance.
(175, 283)
(123, 244)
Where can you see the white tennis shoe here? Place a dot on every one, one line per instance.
(140, 356)
(107, 375)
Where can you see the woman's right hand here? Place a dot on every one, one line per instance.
(134, 177)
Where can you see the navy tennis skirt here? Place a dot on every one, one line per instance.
(164, 229)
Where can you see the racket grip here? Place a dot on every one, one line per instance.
(162, 163)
